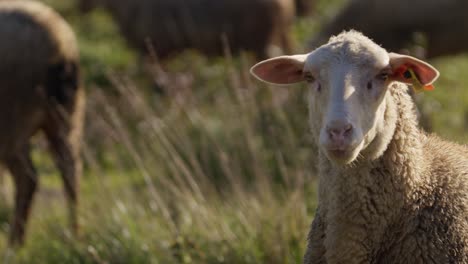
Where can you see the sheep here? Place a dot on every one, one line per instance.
(171, 26)
(40, 91)
(388, 192)
(394, 24)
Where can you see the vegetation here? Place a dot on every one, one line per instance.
(218, 169)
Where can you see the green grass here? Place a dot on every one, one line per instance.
(447, 106)
(209, 176)
(219, 171)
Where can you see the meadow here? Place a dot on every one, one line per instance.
(196, 163)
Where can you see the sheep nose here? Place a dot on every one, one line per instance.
(339, 131)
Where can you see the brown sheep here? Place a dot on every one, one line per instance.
(172, 26)
(394, 23)
(40, 90)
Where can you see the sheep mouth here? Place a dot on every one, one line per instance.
(342, 156)
(339, 153)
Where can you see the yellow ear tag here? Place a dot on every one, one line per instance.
(417, 85)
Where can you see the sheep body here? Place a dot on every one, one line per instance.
(388, 192)
(393, 24)
(40, 91)
(172, 26)
(409, 206)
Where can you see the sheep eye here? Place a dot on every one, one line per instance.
(369, 85)
(309, 78)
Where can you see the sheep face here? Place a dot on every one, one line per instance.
(348, 79)
(345, 101)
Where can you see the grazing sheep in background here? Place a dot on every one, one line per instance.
(39, 91)
(388, 192)
(394, 23)
(172, 26)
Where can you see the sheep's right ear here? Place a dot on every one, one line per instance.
(280, 70)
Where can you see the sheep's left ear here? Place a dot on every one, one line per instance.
(425, 73)
(280, 70)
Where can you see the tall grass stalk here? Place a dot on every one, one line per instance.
(220, 171)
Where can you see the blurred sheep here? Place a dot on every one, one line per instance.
(395, 24)
(171, 26)
(40, 90)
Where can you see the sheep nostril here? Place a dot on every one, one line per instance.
(340, 132)
(333, 133)
(348, 129)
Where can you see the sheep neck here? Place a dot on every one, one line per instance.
(403, 157)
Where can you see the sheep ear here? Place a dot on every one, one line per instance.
(425, 73)
(280, 70)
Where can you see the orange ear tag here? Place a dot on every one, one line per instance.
(417, 85)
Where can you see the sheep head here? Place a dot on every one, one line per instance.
(349, 79)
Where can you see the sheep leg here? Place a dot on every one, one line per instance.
(25, 180)
(315, 253)
(67, 161)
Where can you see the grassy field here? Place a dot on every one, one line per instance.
(220, 171)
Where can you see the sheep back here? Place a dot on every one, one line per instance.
(393, 24)
(175, 25)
